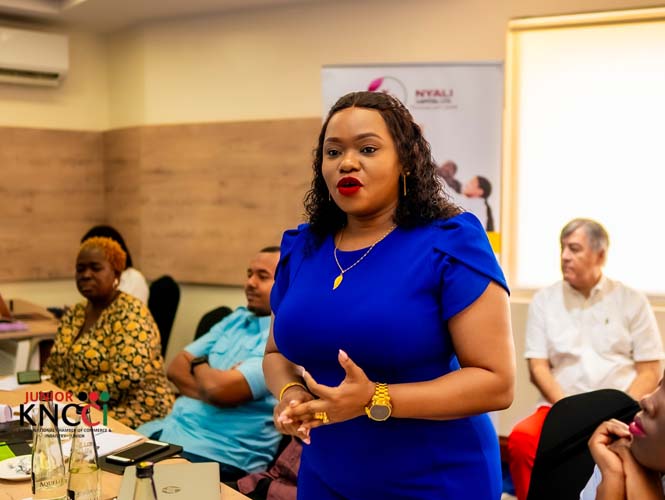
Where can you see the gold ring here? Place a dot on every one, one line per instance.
(322, 416)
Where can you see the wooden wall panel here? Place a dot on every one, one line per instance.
(122, 183)
(213, 194)
(51, 191)
(195, 201)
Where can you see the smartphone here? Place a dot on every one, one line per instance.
(29, 377)
(137, 453)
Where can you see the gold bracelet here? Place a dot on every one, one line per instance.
(288, 386)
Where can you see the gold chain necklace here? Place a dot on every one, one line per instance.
(338, 280)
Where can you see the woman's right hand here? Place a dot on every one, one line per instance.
(284, 424)
(641, 483)
(609, 462)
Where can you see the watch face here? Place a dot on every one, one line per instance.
(379, 412)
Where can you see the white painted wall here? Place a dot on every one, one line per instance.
(81, 102)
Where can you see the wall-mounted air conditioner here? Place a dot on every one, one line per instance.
(33, 57)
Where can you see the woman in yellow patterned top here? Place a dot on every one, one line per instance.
(110, 342)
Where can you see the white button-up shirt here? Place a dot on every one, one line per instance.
(592, 343)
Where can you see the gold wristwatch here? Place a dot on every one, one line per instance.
(379, 408)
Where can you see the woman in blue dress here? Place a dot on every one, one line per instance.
(391, 336)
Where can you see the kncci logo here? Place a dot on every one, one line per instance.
(59, 403)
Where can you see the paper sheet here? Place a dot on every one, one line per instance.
(107, 441)
(9, 383)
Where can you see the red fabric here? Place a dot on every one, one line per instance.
(522, 446)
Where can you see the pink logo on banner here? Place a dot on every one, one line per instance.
(389, 85)
(375, 85)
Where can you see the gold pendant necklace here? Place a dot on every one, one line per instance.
(338, 280)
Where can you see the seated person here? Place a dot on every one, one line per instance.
(110, 342)
(278, 483)
(225, 410)
(630, 459)
(584, 333)
(131, 279)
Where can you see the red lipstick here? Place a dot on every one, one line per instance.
(348, 186)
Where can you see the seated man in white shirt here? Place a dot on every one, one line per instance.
(584, 333)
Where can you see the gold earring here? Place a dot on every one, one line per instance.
(404, 184)
(116, 283)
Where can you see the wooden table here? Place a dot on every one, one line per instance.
(41, 325)
(110, 482)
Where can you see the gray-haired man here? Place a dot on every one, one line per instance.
(584, 333)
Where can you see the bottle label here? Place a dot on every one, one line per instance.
(54, 488)
(48, 484)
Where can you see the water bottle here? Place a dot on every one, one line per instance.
(84, 473)
(49, 478)
(144, 488)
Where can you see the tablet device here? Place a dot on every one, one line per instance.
(181, 481)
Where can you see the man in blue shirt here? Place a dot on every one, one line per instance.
(224, 412)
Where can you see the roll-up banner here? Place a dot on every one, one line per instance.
(459, 107)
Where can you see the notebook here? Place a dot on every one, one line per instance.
(182, 481)
(12, 326)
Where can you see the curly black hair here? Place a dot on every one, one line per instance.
(425, 200)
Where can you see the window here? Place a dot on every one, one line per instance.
(585, 137)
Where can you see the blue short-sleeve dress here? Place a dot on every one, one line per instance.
(390, 315)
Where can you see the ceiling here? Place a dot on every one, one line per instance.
(106, 16)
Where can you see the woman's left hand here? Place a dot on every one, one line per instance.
(607, 460)
(337, 404)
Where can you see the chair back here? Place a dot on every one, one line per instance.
(210, 319)
(563, 462)
(163, 304)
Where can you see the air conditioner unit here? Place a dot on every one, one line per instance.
(33, 57)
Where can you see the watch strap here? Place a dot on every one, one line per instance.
(381, 393)
(199, 360)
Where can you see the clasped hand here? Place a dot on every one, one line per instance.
(607, 446)
(610, 448)
(299, 411)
